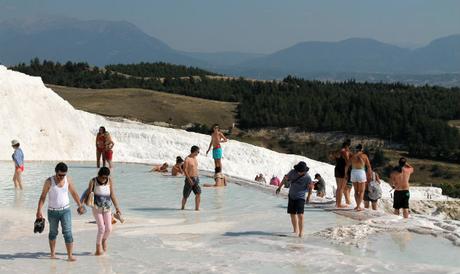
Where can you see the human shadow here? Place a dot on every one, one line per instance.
(36, 255)
(253, 233)
(307, 208)
(155, 209)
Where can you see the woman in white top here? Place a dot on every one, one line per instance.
(104, 196)
(59, 187)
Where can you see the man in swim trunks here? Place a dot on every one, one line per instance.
(217, 137)
(192, 181)
(399, 180)
(359, 162)
(18, 159)
(300, 183)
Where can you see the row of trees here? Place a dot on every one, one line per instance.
(158, 70)
(415, 116)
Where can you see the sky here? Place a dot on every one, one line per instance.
(260, 26)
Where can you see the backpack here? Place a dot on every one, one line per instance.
(375, 191)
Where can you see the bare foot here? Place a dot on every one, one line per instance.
(342, 206)
(98, 253)
(71, 259)
(53, 256)
(301, 235)
(359, 209)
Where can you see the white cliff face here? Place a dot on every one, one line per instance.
(49, 128)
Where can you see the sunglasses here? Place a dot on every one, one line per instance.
(60, 175)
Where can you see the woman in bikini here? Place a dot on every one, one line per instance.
(100, 147)
(219, 179)
(341, 158)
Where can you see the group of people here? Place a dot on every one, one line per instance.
(104, 148)
(188, 167)
(102, 195)
(355, 168)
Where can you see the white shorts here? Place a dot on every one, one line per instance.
(358, 175)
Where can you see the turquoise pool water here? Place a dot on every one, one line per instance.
(238, 230)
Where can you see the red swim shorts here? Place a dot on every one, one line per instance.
(21, 168)
(109, 155)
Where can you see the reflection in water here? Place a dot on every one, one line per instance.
(105, 265)
(401, 239)
(18, 198)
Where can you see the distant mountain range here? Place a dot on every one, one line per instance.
(106, 42)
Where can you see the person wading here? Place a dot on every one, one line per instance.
(58, 188)
(359, 163)
(192, 181)
(300, 182)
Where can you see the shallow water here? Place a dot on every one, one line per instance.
(239, 229)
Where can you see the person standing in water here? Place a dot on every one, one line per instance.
(177, 168)
(58, 187)
(360, 163)
(108, 152)
(100, 147)
(399, 180)
(217, 137)
(18, 159)
(300, 183)
(341, 158)
(104, 196)
(192, 181)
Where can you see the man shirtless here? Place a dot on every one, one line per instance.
(359, 177)
(217, 137)
(399, 180)
(192, 181)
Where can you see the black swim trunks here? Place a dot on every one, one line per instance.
(401, 199)
(296, 206)
(189, 188)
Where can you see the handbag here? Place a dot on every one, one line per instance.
(374, 189)
(90, 198)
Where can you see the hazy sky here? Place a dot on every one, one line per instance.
(260, 25)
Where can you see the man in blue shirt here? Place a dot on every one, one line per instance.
(300, 182)
(18, 159)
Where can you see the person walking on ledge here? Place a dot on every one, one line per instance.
(192, 181)
(58, 187)
(399, 180)
(300, 182)
(18, 159)
(217, 137)
(360, 174)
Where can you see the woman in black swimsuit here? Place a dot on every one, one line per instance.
(341, 160)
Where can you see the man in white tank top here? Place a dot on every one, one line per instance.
(58, 187)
